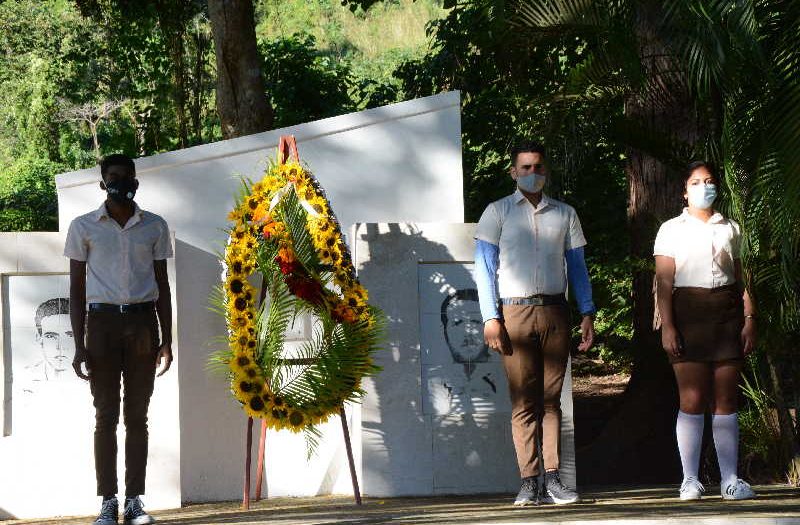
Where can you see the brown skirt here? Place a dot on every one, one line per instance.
(709, 323)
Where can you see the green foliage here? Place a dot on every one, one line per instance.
(60, 60)
(28, 195)
(758, 424)
(302, 84)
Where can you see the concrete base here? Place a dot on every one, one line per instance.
(776, 505)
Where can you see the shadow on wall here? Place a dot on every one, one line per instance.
(411, 448)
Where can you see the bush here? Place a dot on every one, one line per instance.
(28, 199)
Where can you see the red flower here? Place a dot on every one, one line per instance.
(305, 288)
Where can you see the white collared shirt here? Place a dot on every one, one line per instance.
(119, 261)
(704, 252)
(532, 242)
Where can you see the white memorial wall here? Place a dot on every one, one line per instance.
(395, 163)
(435, 420)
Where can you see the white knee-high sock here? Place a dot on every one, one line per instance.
(689, 431)
(726, 441)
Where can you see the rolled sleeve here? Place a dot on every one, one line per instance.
(489, 226)
(574, 238)
(76, 246)
(163, 247)
(663, 244)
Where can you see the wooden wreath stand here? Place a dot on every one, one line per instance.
(287, 148)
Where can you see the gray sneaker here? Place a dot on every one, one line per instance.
(109, 513)
(135, 514)
(556, 492)
(528, 492)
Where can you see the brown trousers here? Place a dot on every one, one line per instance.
(121, 345)
(540, 339)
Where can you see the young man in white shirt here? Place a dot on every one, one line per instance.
(118, 272)
(522, 243)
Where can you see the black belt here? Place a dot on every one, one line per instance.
(121, 308)
(535, 300)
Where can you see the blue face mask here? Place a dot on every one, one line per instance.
(702, 195)
(532, 183)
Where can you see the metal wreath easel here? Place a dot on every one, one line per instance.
(287, 148)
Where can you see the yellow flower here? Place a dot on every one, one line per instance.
(236, 285)
(258, 188)
(239, 362)
(297, 420)
(237, 266)
(255, 406)
(236, 215)
(261, 213)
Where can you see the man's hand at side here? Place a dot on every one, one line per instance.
(81, 358)
(496, 336)
(164, 360)
(587, 333)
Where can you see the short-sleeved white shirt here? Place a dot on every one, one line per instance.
(532, 242)
(704, 252)
(119, 261)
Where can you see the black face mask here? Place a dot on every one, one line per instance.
(121, 190)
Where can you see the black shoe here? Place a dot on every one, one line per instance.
(528, 492)
(108, 513)
(556, 492)
(135, 514)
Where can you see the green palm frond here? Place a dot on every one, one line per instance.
(294, 215)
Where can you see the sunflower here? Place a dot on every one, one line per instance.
(236, 266)
(297, 420)
(239, 362)
(236, 286)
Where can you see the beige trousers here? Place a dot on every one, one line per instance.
(540, 339)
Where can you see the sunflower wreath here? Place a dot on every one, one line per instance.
(284, 229)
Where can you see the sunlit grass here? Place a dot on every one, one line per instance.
(389, 32)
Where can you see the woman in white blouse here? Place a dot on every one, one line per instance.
(707, 327)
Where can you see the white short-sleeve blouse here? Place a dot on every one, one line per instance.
(704, 252)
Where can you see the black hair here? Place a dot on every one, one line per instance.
(116, 159)
(59, 305)
(697, 164)
(526, 146)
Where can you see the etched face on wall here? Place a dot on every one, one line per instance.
(54, 335)
(463, 327)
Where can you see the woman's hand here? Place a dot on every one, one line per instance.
(749, 335)
(670, 340)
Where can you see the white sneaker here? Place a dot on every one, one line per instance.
(738, 489)
(691, 489)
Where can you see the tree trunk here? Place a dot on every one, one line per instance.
(201, 41)
(172, 21)
(179, 85)
(638, 443)
(241, 98)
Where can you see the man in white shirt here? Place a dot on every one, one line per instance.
(522, 243)
(118, 272)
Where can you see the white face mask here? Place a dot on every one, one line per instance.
(532, 183)
(702, 195)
